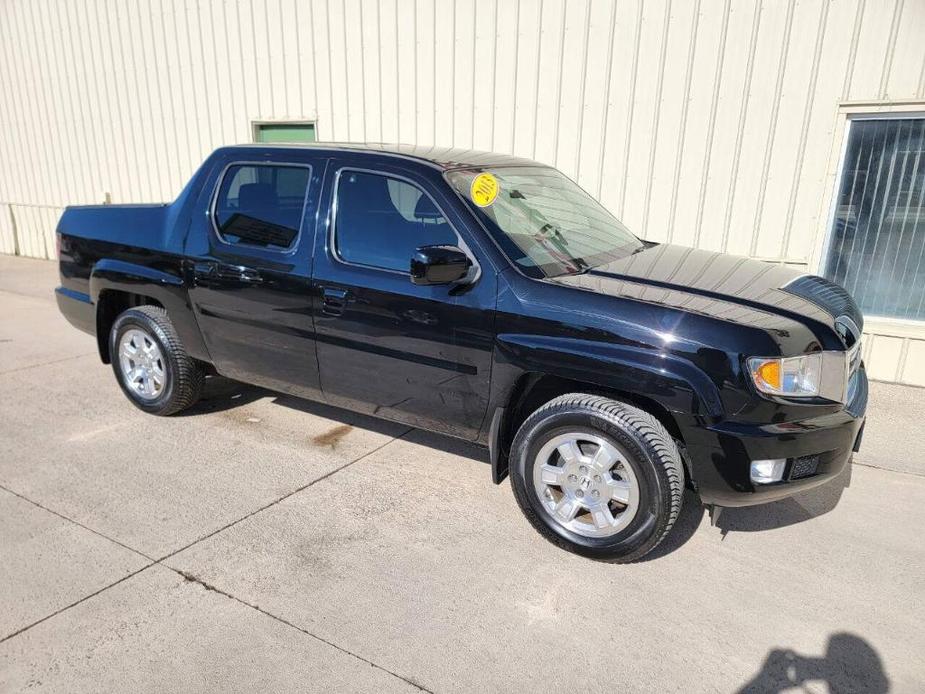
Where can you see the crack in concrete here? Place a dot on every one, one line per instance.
(192, 578)
(76, 602)
(888, 469)
(283, 497)
(78, 523)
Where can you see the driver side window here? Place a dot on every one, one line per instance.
(381, 220)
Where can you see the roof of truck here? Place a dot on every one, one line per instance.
(442, 157)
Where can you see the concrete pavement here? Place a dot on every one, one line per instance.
(266, 543)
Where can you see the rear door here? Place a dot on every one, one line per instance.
(250, 275)
(417, 354)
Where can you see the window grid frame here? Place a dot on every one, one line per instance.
(256, 126)
(821, 265)
(294, 246)
(332, 232)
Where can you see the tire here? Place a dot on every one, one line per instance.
(637, 498)
(179, 376)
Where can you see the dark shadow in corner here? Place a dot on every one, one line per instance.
(850, 664)
(795, 509)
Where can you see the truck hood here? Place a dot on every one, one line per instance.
(719, 285)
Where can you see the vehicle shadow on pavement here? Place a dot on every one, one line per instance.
(349, 418)
(220, 394)
(690, 518)
(779, 514)
(849, 664)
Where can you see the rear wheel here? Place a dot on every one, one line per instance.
(150, 363)
(597, 477)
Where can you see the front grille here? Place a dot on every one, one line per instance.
(804, 466)
(832, 298)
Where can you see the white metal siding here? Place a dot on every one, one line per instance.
(713, 123)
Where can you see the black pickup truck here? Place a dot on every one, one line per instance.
(489, 298)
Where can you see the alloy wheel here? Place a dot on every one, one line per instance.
(586, 484)
(142, 364)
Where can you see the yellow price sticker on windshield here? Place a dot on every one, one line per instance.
(484, 189)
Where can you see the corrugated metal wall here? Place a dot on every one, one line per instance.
(712, 123)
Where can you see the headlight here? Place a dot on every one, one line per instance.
(790, 376)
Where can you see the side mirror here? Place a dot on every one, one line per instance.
(439, 265)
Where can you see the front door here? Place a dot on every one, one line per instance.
(416, 354)
(251, 279)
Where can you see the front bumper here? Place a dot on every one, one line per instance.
(720, 456)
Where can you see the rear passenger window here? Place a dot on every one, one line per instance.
(382, 220)
(261, 205)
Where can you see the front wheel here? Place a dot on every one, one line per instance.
(150, 363)
(597, 477)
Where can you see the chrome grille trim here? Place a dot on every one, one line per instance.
(853, 358)
(857, 394)
(850, 326)
(830, 297)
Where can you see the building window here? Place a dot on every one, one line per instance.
(302, 131)
(877, 240)
(261, 205)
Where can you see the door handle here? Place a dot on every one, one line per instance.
(250, 275)
(203, 272)
(333, 301)
(203, 269)
(210, 271)
(240, 273)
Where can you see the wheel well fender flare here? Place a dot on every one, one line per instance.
(136, 285)
(666, 377)
(131, 278)
(651, 379)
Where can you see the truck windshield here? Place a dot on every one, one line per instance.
(544, 222)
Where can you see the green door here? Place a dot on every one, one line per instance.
(284, 132)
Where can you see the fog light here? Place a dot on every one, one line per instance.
(768, 471)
